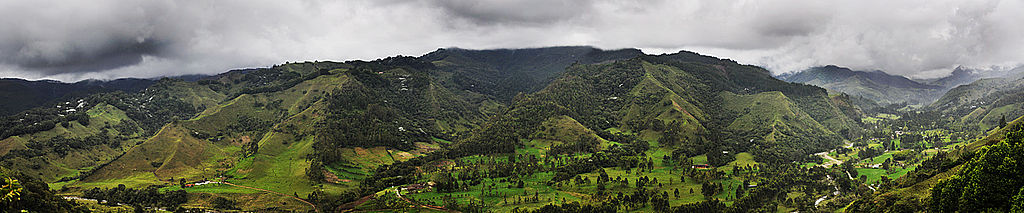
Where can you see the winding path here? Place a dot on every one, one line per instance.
(833, 161)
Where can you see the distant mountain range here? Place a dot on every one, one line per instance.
(884, 88)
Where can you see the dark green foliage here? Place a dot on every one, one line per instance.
(149, 197)
(710, 189)
(703, 206)
(392, 102)
(39, 119)
(989, 181)
(62, 145)
(1017, 204)
(35, 195)
(574, 207)
(223, 203)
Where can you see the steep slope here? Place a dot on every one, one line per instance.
(687, 99)
(876, 86)
(773, 123)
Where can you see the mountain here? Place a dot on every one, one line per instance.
(875, 85)
(19, 94)
(963, 75)
(983, 103)
(959, 76)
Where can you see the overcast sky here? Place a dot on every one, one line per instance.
(104, 39)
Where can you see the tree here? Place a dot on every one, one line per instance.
(223, 203)
(1002, 122)
(1017, 202)
(739, 190)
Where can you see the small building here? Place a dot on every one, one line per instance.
(701, 166)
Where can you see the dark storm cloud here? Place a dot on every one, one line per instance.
(72, 40)
(111, 55)
(524, 12)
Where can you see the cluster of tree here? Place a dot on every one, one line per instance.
(392, 102)
(871, 152)
(988, 182)
(39, 119)
(582, 144)
(246, 123)
(20, 192)
(473, 206)
(150, 109)
(150, 196)
(574, 207)
(223, 203)
(624, 157)
(332, 202)
(617, 137)
(62, 145)
(360, 117)
(709, 189)
(269, 80)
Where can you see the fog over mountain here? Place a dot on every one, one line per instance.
(112, 39)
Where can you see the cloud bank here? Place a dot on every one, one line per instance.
(107, 39)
